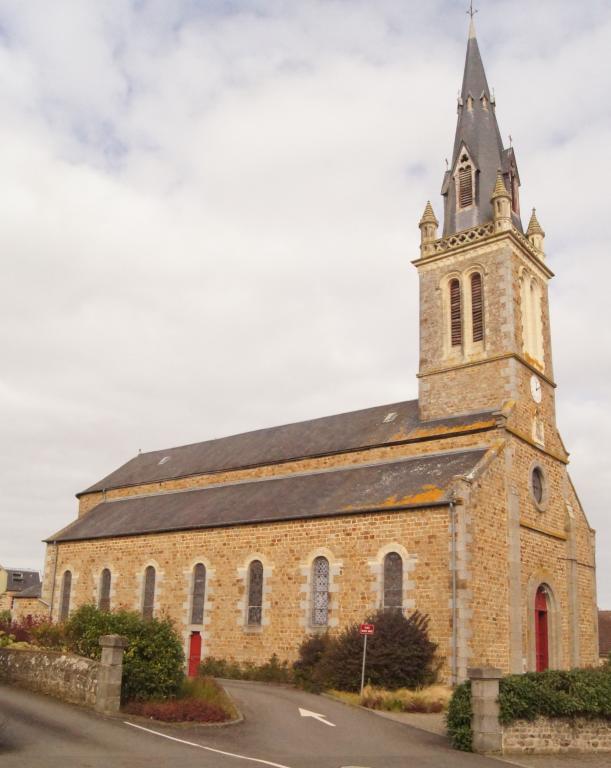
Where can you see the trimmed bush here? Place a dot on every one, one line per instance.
(399, 655)
(153, 663)
(458, 719)
(572, 693)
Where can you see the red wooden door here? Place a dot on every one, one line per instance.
(541, 631)
(195, 653)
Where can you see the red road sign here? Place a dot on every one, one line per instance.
(367, 629)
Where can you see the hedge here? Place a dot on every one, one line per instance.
(573, 693)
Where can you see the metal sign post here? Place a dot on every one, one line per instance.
(365, 630)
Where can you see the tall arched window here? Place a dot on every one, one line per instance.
(541, 629)
(393, 582)
(104, 601)
(198, 594)
(255, 592)
(148, 594)
(64, 606)
(320, 592)
(455, 313)
(477, 307)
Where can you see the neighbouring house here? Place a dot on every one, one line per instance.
(27, 604)
(458, 504)
(13, 581)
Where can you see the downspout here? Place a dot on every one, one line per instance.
(53, 583)
(454, 671)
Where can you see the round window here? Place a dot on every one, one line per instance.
(537, 484)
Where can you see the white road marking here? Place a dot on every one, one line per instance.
(209, 749)
(316, 716)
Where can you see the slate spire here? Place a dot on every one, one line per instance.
(478, 152)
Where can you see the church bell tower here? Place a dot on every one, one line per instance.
(484, 318)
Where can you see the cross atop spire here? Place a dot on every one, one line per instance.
(478, 149)
(471, 12)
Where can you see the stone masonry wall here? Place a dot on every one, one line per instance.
(71, 678)
(354, 544)
(558, 735)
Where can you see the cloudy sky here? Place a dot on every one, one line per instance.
(209, 210)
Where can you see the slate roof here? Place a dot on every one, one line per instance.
(381, 425)
(419, 481)
(479, 131)
(19, 579)
(33, 591)
(604, 632)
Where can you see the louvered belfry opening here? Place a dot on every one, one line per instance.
(455, 313)
(104, 602)
(477, 307)
(465, 186)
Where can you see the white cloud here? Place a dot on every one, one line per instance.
(209, 214)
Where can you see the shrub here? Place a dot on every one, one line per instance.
(458, 719)
(572, 693)
(153, 661)
(307, 668)
(5, 620)
(23, 630)
(178, 710)
(49, 635)
(399, 655)
(272, 671)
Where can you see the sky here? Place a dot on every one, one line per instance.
(209, 211)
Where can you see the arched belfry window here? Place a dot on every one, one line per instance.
(320, 592)
(393, 582)
(465, 191)
(104, 601)
(198, 594)
(455, 313)
(148, 595)
(64, 606)
(477, 307)
(255, 593)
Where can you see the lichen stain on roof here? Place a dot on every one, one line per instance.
(414, 481)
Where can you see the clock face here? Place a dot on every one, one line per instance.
(535, 389)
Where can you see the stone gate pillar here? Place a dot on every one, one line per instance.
(108, 696)
(487, 732)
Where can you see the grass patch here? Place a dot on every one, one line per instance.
(432, 698)
(200, 700)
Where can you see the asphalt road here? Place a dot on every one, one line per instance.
(37, 730)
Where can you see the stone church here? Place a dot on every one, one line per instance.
(458, 504)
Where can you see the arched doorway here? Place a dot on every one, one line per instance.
(541, 629)
(195, 653)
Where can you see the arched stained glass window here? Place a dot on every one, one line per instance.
(477, 307)
(104, 601)
(64, 606)
(393, 582)
(320, 592)
(255, 593)
(148, 595)
(198, 595)
(455, 314)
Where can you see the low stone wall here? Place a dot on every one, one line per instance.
(71, 678)
(547, 736)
